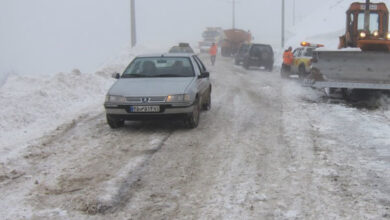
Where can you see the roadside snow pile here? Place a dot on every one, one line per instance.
(32, 106)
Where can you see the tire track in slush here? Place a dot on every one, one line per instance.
(124, 184)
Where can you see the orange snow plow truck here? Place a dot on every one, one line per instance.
(364, 68)
(232, 41)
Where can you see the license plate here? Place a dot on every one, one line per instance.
(145, 109)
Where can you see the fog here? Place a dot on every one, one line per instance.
(50, 36)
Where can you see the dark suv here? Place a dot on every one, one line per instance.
(259, 55)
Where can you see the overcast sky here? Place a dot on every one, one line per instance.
(49, 36)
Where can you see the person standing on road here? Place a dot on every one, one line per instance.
(288, 59)
(213, 53)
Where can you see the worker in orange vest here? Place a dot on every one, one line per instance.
(213, 53)
(288, 59)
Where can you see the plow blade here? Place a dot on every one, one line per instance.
(350, 69)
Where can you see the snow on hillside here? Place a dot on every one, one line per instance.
(323, 26)
(35, 105)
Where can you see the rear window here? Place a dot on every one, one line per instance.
(159, 67)
(177, 49)
(244, 49)
(258, 50)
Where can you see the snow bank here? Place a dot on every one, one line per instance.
(35, 105)
(32, 106)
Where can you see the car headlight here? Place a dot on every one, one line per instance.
(178, 98)
(375, 33)
(115, 98)
(363, 34)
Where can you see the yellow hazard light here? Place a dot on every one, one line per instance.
(305, 44)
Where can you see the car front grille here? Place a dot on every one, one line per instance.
(153, 99)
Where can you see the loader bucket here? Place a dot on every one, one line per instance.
(374, 45)
(351, 69)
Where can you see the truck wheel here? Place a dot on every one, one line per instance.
(193, 119)
(245, 65)
(114, 123)
(224, 52)
(270, 68)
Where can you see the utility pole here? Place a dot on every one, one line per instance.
(234, 14)
(293, 12)
(282, 24)
(367, 16)
(133, 24)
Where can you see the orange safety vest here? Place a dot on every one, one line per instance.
(288, 57)
(213, 50)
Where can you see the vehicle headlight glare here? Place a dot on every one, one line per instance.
(115, 98)
(363, 34)
(178, 98)
(388, 36)
(375, 33)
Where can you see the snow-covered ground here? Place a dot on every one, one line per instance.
(268, 149)
(33, 106)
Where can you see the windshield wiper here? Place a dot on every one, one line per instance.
(168, 75)
(133, 75)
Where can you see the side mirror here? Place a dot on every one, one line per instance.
(204, 75)
(116, 75)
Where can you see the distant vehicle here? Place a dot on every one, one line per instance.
(182, 48)
(232, 41)
(209, 36)
(259, 55)
(303, 57)
(162, 86)
(205, 46)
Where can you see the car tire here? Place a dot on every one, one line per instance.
(114, 123)
(302, 72)
(207, 105)
(193, 119)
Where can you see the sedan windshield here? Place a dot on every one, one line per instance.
(159, 67)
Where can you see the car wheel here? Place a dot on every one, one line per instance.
(114, 123)
(193, 119)
(207, 105)
(302, 72)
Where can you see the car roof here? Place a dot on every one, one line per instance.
(166, 55)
